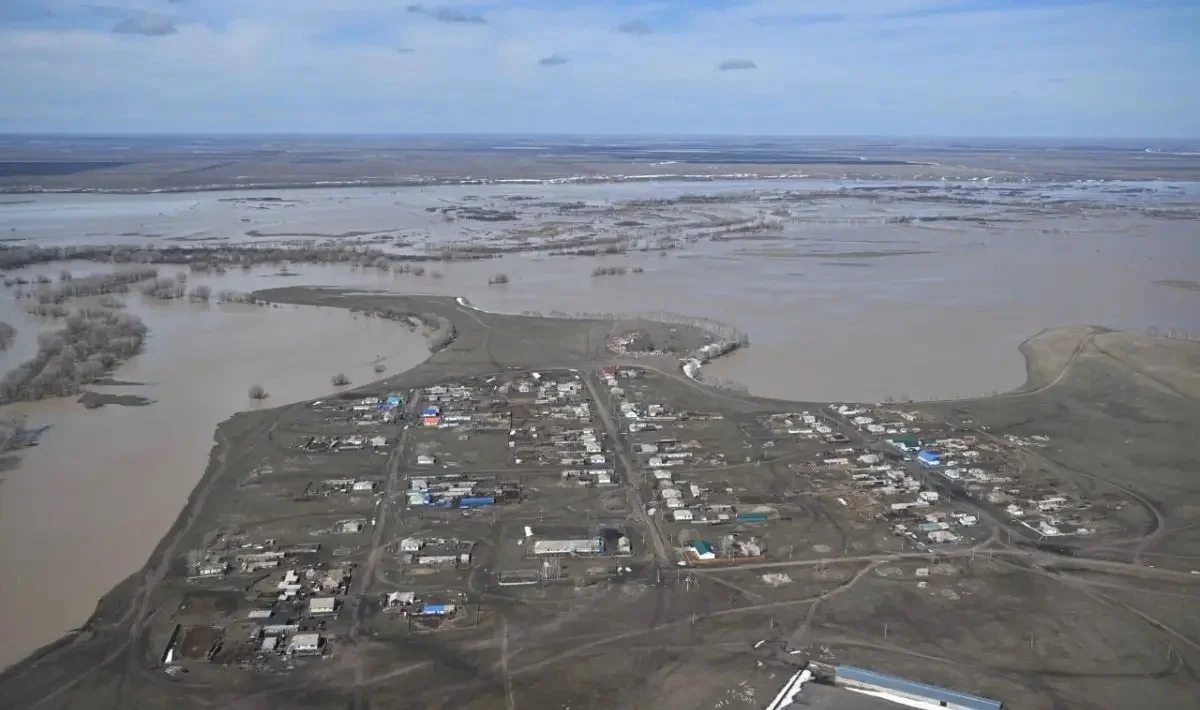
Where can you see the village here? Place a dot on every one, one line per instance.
(418, 511)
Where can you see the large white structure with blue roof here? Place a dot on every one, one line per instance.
(862, 679)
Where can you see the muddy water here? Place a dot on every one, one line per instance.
(87, 506)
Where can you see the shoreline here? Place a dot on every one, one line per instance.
(125, 594)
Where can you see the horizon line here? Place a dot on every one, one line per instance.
(509, 134)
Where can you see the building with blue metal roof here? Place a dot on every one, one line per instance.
(929, 458)
(852, 677)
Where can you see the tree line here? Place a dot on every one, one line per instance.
(92, 343)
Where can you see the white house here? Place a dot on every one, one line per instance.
(318, 606)
(305, 644)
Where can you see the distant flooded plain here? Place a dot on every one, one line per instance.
(839, 305)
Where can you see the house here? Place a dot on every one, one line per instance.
(411, 544)
(211, 570)
(363, 487)
(426, 460)
(395, 599)
(702, 550)
(929, 458)
(318, 606)
(378, 442)
(305, 644)
(680, 515)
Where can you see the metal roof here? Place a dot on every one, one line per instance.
(909, 687)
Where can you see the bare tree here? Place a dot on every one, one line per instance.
(257, 392)
(340, 380)
(64, 275)
(201, 293)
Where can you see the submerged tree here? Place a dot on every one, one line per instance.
(257, 392)
(340, 380)
(7, 335)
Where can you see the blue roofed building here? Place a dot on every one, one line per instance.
(929, 458)
(862, 679)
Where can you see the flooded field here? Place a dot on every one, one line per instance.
(873, 291)
(848, 289)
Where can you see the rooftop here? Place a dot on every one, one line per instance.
(882, 680)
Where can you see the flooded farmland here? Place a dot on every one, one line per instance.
(847, 291)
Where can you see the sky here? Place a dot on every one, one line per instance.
(1053, 68)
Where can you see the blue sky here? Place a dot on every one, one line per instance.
(1069, 68)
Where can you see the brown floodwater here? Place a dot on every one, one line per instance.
(840, 307)
(87, 506)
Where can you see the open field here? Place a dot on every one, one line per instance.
(515, 547)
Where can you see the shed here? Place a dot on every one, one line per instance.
(851, 677)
